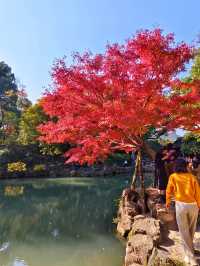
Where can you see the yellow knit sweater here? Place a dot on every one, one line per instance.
(183, 187)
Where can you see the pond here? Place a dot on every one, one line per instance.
(60, 222)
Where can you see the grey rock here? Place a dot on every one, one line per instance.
(138, 250)
(147, 226)
(162, 258)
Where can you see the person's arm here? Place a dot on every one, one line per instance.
(197, 192)
(150, 152)
(169, 191)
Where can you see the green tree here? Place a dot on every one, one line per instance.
(191, 142)
(9, 128)
(7, 79)
(9, 113)
(28, 134)
(30, 119)
(13, 101)
(22, 100)
(8, 90)
(195, 70)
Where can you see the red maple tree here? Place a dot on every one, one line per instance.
(107, 102)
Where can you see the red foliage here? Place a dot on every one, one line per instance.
(108, 102)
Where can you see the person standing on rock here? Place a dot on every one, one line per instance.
(164, 164)
(184, 187)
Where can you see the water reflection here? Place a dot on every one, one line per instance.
(61, 222)
(13, 190)
(19, 262)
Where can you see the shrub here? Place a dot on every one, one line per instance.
(16, 167)
(39, 167)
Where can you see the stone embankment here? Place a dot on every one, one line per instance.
(151, 239)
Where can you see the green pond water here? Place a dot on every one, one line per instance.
(60, 222)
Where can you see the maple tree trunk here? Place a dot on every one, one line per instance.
(141, 176)
(135, 174)
(138, 172)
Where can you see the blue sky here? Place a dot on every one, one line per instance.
(35, 32)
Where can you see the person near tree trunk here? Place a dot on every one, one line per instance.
(164, 164)
(184, 187)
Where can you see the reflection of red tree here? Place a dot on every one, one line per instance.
(108, 102)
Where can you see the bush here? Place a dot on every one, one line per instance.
(17, 167)
(39, 167)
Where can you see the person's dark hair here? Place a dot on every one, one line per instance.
(195, 161)
(180, 166)
(169, 146)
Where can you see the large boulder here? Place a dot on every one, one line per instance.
(162, 258)
(144, 236)
(138, 250)
(146, 245)
(129, 207)
(157, 209)
(147, 226)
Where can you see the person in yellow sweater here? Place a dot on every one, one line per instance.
(184, 188)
